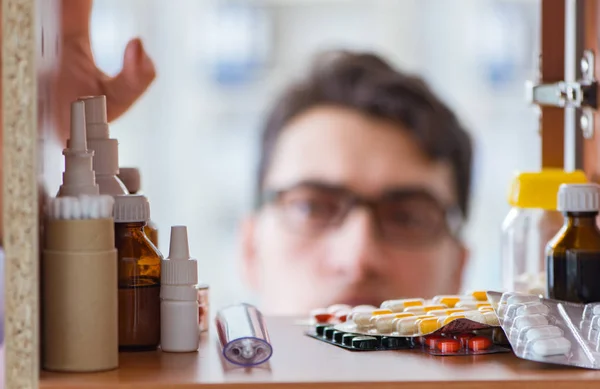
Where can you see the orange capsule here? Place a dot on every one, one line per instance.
(479, 343)
(431, 341)
(448, 346)
(463, 339)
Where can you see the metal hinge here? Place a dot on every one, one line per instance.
(582, 94)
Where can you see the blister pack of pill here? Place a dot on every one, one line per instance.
(550, 331)
(442, 344)
(405, 323)
(419, 317)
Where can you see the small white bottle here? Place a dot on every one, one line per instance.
(179, 331)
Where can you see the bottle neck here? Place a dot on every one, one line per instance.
(131, 225)
(581, 219)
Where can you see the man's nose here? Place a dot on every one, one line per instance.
(355, 249)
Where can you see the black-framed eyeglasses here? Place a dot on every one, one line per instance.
(408, 216)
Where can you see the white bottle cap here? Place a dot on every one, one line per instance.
(579, 198)
(179, 268)
(106, 150)
(78, 177)
(131, 209)
(130, 176)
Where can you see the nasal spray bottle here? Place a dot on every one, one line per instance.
(79, 267)
(179, 331)
(106, 150)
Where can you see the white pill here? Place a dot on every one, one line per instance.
(407, 325)
(338, 307)
(467, 304)
(596, 310)
(536, 320)
(383, 323)
(362, 319)
(553, 346)
(393, 305)
(475, 316)
(363, 308)
(415, 310)
(532, 308)
(522, 298)
(491, 318)
(438, 312)
(544, 332)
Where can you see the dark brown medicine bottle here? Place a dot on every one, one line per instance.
(573, 255)
(139, 276)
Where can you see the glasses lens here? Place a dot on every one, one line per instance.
(312, 210)
(412, 219)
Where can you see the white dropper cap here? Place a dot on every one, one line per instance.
(179, 269)
(78, 177)
(106, 150)
(579, 198)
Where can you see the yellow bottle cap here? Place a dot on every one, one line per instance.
(540, 189)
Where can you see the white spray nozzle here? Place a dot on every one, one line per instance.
(79, 177)
(96, 117)
(179, 249)
(179, 268)
(78, 139)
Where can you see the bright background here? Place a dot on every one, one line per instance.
(194, 134)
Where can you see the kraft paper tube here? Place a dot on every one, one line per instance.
(80, 315)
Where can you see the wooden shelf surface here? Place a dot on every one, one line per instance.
(301, 362)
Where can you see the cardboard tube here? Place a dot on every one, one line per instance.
(80, 298)
(80, 235)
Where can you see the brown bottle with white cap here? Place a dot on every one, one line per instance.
(131, 178)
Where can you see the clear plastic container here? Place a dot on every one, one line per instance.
(531, 222)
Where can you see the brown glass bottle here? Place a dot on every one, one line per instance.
(573, 255)
(139, 282)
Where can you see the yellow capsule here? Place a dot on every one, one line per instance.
(430, 308)
(480, 295)
(413, 303)
(449, 301)
(483, 305)
(454, 310)
(485, 309)
(403, 314)
(452, 318)
(428, 325)
(381, 312)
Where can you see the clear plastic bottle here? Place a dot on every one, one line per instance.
(139, 263)
(531, 222)
(573, 255)
(132, 179)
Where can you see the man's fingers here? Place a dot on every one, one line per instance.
(136, 76)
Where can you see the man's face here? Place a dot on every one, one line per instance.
(312, 246)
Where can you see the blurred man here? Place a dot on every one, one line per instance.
(363, 184)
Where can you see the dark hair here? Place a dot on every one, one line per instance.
(368, 84)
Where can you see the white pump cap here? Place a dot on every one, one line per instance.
(131, 209)
(106, 150)
(179, 268)
(78, 177)
(579, 198)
